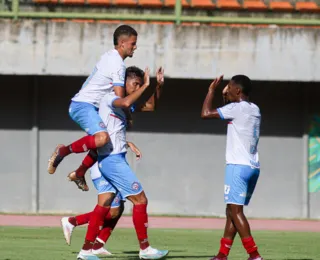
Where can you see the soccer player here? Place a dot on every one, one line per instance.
(107, 75)
(134, 78)
(243, 167)
(116, 170)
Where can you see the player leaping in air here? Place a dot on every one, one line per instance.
(243, 167)
(107, 75)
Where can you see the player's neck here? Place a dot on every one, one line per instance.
(123, 56)
(243, 98)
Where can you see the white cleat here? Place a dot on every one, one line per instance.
(152, 253)
(101, 251)
(87, 255)
(67, 229)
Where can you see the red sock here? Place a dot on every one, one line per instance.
(250, 246)
(97, 245)
(225, 246)
(87, 162)
(140, 221)
(84, 144)
(95, 223)
(80, 219)
(109, 225)
(65, 150)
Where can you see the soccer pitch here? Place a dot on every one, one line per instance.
(48, 243)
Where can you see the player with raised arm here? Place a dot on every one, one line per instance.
(242, 159)
(134, 79)
(116, 171)
(107, 75)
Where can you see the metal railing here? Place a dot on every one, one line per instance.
(177, 17)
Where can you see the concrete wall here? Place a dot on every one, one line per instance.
(201, 52)
(183, 156)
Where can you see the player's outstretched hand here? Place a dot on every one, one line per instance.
(147, 77)
(160, 76)
(215, 83)
(135, 150)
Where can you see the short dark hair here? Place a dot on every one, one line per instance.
(123, 30)
(244, 82)
(134, 71)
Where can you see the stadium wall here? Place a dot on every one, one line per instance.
(183, 156)
(39, 47)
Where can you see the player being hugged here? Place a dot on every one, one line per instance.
(116, 171)
(242, 159)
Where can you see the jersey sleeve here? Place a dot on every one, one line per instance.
(229, 112)
(110, 99)
(112, 67)
(118, 75)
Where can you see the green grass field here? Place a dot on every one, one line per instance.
(48, 243)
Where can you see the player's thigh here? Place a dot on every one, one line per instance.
(252, 180)
(106, 192)
(87, 117)
(237, 180)
(117, 171)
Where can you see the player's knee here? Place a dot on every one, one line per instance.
(140, 198)
(101, 138)
(115, 212)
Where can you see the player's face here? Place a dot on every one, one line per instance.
(133, 84)
(233, 92)
(129, 45)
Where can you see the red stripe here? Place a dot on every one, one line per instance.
(115, 116)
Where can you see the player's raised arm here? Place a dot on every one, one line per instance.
(208, 111)
(152, 102)
(132, 98)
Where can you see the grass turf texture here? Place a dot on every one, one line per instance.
(48, 243)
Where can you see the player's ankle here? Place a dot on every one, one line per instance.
(97, 245)
(221, 255)
(254, 254)
(72, 221)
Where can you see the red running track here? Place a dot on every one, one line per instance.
(170, 222)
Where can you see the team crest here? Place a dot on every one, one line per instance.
(135, 186)
(116, 199)
(102, 125)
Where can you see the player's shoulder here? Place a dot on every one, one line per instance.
(112, 56)
(250, 108)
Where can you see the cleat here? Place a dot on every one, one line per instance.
(67, 229)
(257, 258)
(101, 251)
(55, 160)
(87, 255)
(217, 258)
(152, 253)
(80, 182)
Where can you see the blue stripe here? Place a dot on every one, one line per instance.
(220, 114)
(113, 101)
(90, 77)
(117, 84)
